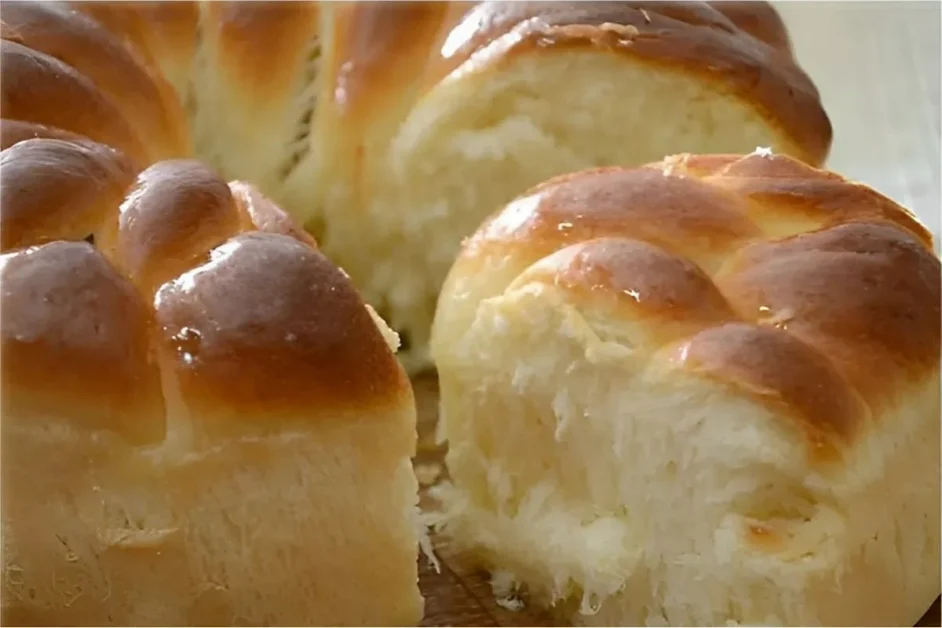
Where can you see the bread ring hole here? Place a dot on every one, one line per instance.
(405, 341)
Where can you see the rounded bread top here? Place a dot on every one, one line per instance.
(809, 292)
(744, 49)
(35, 85)
(206, 283)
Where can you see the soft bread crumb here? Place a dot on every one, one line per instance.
(391, 337)
(428, 473)
(504, 588)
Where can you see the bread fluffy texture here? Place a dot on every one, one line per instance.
(392, 129)
(702, 392)
(202, 422)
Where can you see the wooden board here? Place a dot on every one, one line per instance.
(459, 595)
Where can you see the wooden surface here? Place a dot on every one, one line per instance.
(877, 65)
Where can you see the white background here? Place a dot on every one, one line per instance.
(877, 65)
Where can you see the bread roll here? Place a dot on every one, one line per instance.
(202, 422)
(702, 392)
(390, 130)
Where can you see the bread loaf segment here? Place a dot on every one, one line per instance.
(700, 425)
(211, 389)
(268, 327)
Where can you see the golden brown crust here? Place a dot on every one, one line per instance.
(759, 19)
(866, 295)
(381, 50)
(75, 343)
(627, 278)
(694, 38)
(777, 367)
(35, 85)
(177, 211)
(59, 190)
(269, 327)
(14, 131)
(783, 194)
(80, 42)
(830, 314)
(240, 29)
(697, 219)
(280, 330)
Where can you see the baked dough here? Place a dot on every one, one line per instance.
(202, 422)
(701, 392)
(391, 129)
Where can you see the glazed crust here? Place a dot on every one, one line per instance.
(269, 325)
(75, 343)
(794, 286)
(279, 326)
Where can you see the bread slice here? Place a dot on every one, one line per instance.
(697, 393)
(203, 424)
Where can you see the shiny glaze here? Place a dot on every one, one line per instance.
(269, 326)
(75, 342)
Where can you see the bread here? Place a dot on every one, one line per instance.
(202, 422)
(392, 129)
(701, 392)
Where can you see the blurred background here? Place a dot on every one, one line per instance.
(877, 65)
